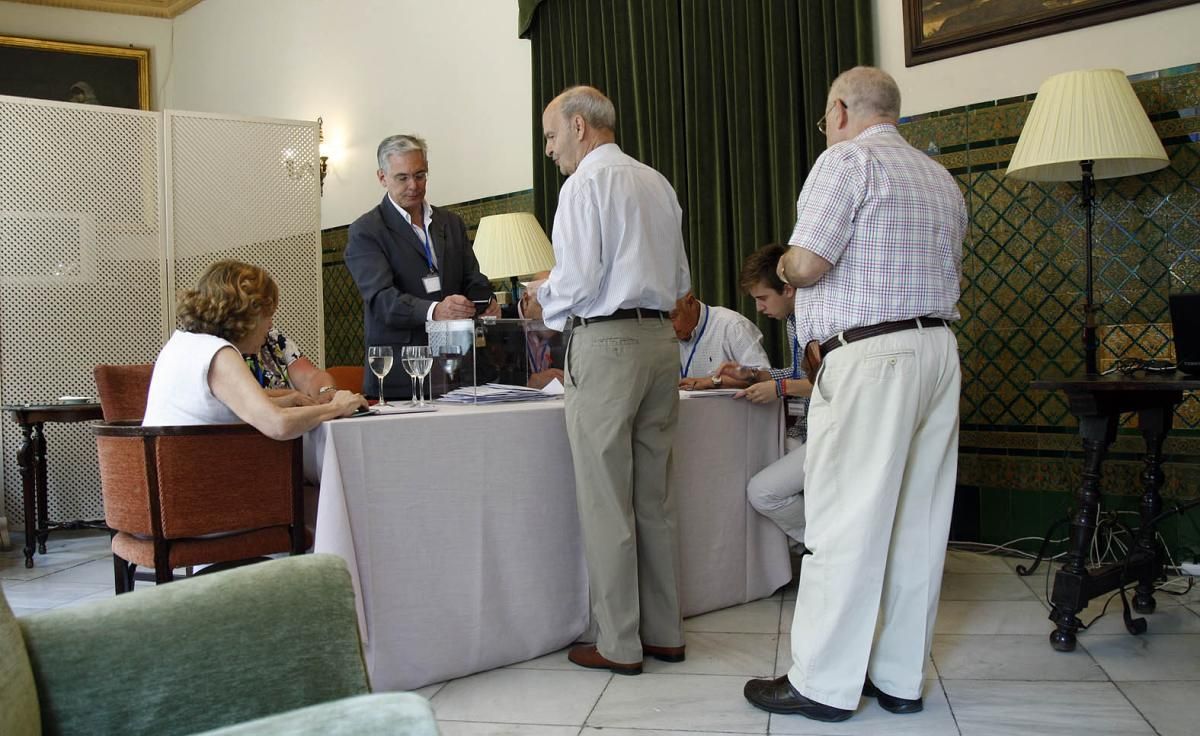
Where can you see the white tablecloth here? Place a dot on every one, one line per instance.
(461, 531)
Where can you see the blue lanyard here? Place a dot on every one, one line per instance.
(428, 244)
(683, 371)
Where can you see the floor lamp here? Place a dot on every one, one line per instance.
(1086, 125)
(512, 245)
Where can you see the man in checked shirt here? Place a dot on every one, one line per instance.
(876, 259)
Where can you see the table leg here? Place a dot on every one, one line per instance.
(43, 514)
(1069, 598)
(25, 462)
(1155, 424)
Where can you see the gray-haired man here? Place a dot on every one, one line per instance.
(411, 261)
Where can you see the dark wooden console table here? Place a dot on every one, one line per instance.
(31, 457)
(1098, 402)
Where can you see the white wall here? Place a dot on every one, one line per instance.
(109, 29)
(452, 71)
(1148, 42)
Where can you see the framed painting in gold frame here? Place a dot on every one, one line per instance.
(118, 76)
(937, 29)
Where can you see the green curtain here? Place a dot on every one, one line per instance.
(721, 96)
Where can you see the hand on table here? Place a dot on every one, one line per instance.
(762, 392)
(540, 379)
(697, 384)
(347, 402)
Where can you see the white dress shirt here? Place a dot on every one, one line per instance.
(618, 242)
(423, 236)
(720, 335)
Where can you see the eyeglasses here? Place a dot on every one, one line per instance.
(403, 179)
(821, 122)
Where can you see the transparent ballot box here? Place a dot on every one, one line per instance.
(470, 353)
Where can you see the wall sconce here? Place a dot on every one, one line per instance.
(299, 170)
(321, 152)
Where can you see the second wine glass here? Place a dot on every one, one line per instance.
(422, 362)
(407, 355)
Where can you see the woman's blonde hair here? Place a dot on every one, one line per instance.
(231, 298)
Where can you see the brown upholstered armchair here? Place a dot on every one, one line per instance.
(181, 496)
(348, 377)
(123, 390)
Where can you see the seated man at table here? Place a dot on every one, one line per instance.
(777, 491)
(544, 347)
(709, 336)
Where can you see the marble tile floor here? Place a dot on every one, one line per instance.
(991, 671)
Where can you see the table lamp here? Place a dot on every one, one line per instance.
(1086, 125)
(512, 245)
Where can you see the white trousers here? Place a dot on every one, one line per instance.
(777, 491)
(881, 471)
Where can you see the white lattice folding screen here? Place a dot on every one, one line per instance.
(248, 189)
(87, 267)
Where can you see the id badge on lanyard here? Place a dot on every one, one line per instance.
(432, 282)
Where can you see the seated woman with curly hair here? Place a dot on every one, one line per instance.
(200, 376)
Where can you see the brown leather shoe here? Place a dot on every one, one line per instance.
(586, 655)
(663, 654)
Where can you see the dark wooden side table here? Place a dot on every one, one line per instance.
(31, 457)
(1098, 402)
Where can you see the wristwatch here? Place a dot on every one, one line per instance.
(326, 389)
(716, 380)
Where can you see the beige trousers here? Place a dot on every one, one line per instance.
(622, 405)
(880, 477)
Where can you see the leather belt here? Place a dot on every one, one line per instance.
(635, 313)
(814, 352)
(861, 333)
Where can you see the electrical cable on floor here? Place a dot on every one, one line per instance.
(1111, 543)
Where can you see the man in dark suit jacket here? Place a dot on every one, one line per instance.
(411, 262)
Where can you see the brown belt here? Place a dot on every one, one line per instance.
(634, 313)
(815, 352)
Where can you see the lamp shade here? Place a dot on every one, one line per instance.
(1086, 115)
(512, 244)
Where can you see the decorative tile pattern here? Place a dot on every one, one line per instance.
(1023, 282)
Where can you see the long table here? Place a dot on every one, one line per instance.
(461, 532)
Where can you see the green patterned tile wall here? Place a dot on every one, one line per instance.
(1022, 308)
(343, 305)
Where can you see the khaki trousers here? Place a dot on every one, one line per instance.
(622, 405)
(880, 476)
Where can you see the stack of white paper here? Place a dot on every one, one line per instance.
(493, 393)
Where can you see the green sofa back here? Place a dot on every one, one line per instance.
(200, 653)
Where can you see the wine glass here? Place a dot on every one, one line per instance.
(422, 361)
(406, 359)
(379, 357)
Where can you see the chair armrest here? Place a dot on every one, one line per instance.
(401, 714)
(200, 653)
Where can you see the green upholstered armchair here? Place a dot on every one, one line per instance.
(268, 648)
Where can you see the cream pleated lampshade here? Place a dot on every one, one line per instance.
(512, 244)
(1086, 115)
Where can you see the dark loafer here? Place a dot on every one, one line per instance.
(891, 703)
(778, 696)
(587, 655)
(664, 654)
